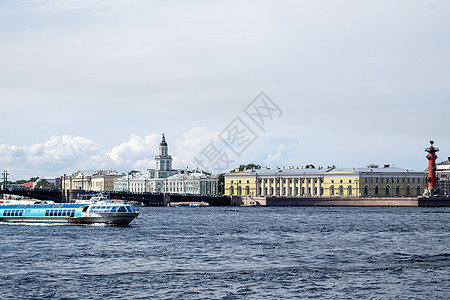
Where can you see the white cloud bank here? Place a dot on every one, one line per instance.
(67, 154)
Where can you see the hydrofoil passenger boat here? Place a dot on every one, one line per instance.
(96, 209)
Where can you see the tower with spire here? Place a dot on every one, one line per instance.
(163, 160)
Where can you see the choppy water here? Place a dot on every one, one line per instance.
(235, 253)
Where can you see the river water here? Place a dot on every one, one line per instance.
(235, 253)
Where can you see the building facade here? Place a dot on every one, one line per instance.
(97, 181)
(191, 183)
(443, 175)
(138, 183)
(163, 162)
(371, 181)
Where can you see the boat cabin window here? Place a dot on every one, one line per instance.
(121, 209)
(114, 209)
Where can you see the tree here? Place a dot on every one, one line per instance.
(133, 172)
(248, 167)
(42, 183)
(221, 183)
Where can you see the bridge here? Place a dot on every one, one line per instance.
(149, 199)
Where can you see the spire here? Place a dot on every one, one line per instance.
(163, 141)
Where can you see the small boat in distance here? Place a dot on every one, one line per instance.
(96, 209)
(189, 204)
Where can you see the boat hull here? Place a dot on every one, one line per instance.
(98, 212)
(116, 219)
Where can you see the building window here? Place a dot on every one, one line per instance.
(377, 190)
(349, 181)
(398, 180)
(408, 191)
(231, 190)
(247, 190)
(332, 190)
(397, 190)
(239, 191)
(321, 191)
(349, 190)
(366, 190)
(376, 180)
(388, 192)
(341, 190)
(382, 180)
(332, 181)
(408, 180)
(414, 180)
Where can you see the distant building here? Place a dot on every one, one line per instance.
(326, 182)
(191, 183)
(163, 162)
(443, 175)
(98, 181)
(136, 183)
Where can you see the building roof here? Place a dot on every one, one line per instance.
(163, 141)
(324, 171)
(190, 176)
(443, 165)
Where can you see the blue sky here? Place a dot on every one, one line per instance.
(93, 84)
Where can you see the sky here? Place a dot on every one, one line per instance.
(90, 85)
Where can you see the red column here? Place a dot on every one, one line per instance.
(431, 156)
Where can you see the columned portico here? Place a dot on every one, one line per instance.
(269, 188)
(286, 187)
(293, 187)
(307, 187)
(319, 187)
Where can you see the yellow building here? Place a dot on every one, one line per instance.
(326, 182)
(98, 181)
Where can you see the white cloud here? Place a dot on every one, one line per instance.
(191, 145)
(275, 158)
(136, 149)
(51, 156)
